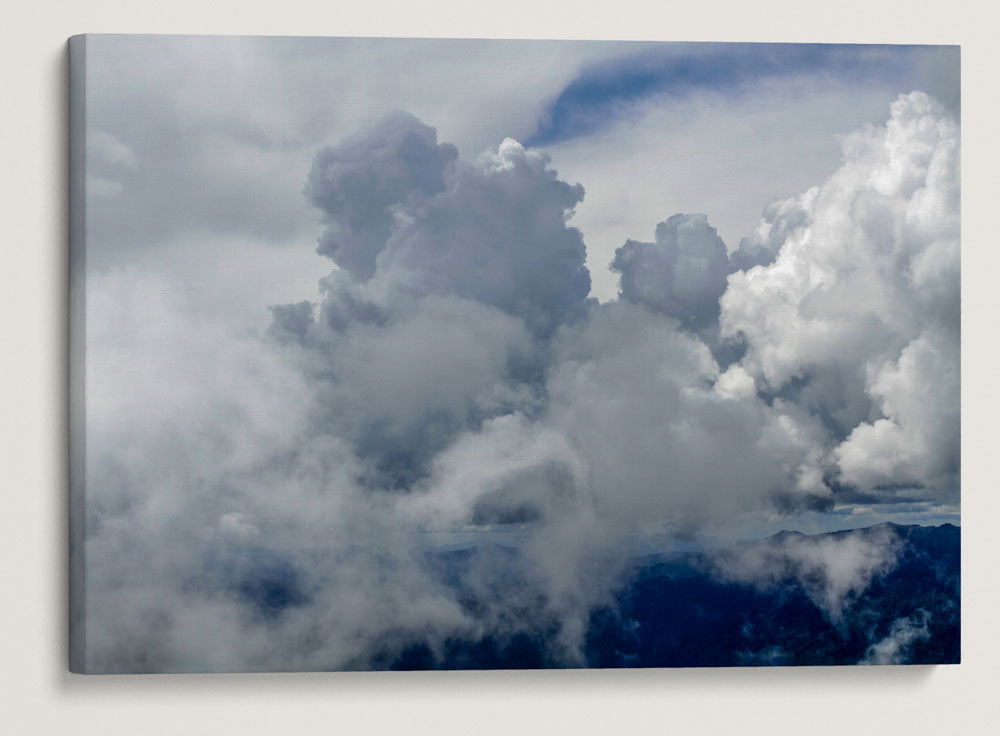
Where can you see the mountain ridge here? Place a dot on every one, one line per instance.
(680, 611)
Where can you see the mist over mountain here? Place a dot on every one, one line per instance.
(695, 610)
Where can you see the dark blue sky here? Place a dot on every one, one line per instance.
(605, 93)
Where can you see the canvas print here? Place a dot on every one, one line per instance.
(507, 354)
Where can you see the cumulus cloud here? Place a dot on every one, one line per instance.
(780, 219)
(682, 274)
(408, 218)
(468, 270)
(358, 182)
(499, 236)
(916, 442)
(856, 317)
(284, 499)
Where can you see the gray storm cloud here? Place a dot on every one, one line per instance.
(903, 633)
(357, 183)
(278, 503)
(682, 274)
(408, 218)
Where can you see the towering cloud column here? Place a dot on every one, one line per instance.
(857, 317)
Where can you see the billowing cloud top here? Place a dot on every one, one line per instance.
(858, 314)
(401, 208)
(683, 274)
(358, 182)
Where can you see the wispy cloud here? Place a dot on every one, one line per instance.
(903, 634)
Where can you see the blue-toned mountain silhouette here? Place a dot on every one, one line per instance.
(684, 611)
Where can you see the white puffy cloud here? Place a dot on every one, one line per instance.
(857, 315)
(780, 219)
(916, 443)
(735, 383)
